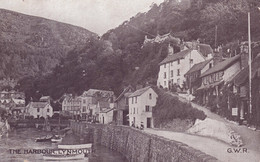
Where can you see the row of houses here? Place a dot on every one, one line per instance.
(129, 108)
(205, 75)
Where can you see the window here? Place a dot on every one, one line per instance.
(38, 116)
(164, 75)
(150, 96)
(191, 61)
(126, 101)
(171, 73)
(164, 83)
(38, 109)
(178, 61)
(147, 108)
(132, 100)
(84, 108)
(178, 72)
(84, 101)
(171, 63)
(135, 99)
(48, 110)
(164, 65)
(210, 65)
(134, 110)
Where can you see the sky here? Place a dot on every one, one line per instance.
(95, 15)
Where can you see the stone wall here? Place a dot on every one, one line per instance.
(138, 146)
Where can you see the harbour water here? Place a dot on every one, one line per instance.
(15, 147)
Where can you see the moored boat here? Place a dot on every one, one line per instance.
(63, 157)
(44, 139)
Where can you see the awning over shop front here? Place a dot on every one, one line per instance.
(209, 86)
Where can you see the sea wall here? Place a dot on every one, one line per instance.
(138, 146)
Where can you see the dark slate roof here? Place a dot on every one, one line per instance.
(106, 110)
(175, 56)
(242, 76)
(139, 92)
(103, 104)
(205, 49)
(198, 66)
(221, 65)
(126, 93)
(38, 104)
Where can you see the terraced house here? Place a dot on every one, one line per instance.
(214, 78)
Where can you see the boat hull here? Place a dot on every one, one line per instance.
(63, 157)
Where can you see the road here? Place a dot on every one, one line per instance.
(213, 147)
(210, 146)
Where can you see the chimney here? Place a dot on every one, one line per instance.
(218, 55)
(170, 50)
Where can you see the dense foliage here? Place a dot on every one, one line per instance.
(31, 46)
(169, 107)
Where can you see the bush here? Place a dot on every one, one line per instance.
(169, 108)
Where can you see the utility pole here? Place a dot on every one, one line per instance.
(216, 36)
(250, 66)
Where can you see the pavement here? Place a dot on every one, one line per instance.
(250, 151)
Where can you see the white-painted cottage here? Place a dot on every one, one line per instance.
(141, 103)
(106, 115)
(39, 109)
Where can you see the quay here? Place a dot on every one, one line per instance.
(138, 146)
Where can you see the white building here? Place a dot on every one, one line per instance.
(39, 109)
(141, 103)
(175, 65)
(106, 116)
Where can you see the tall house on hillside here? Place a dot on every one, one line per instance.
(175, 65)
(141, 104)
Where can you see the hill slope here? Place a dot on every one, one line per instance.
(31, 45)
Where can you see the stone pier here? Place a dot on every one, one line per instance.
(138, 146)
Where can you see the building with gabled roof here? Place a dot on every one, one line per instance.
(193, 76)
(214, 78)
(141, 103)
(39, 109)
(175, 65)
(122, 106)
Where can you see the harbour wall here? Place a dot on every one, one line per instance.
(138, 146)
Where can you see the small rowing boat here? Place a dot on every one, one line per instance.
(44, 139)
(56, 139)
(64, 157)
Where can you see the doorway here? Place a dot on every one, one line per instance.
(148, 122)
